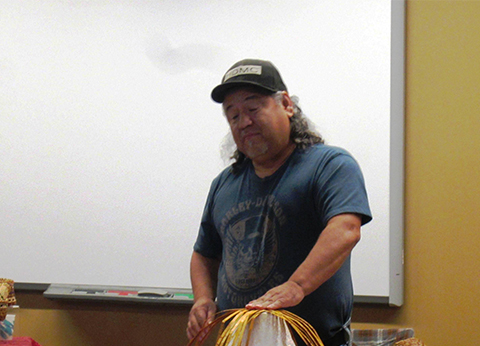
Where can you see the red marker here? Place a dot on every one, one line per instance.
(124, 293)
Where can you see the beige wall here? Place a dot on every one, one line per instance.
(442, 259)
(442, 238)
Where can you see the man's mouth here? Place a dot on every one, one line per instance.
(249, 136)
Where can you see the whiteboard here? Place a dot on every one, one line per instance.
(109, 139)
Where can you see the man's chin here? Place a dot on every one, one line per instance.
(256, 151)
(255, 154)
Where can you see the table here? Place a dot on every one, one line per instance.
(20, 341)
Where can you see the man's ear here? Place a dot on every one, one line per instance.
(287, 104)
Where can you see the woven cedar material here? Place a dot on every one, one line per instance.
(7, 297)
(410, 342)
(236, 326)
(7, 292)
(380, 337)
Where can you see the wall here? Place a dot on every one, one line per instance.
(442, 271)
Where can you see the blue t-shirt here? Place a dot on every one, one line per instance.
(263, 229)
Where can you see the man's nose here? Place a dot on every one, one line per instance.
(245, 119)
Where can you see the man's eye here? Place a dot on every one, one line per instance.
(251, 110)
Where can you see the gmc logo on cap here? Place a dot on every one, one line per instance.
(241, 70)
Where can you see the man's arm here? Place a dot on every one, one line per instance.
(331, 250)
(203, 274)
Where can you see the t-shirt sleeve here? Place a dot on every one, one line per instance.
(208, 241)
(340, 188)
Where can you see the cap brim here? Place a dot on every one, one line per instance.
(220, 91)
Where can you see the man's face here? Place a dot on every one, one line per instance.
(260, 125)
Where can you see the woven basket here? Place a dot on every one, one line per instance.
(7, 296)
(238, 327)
(410, 342)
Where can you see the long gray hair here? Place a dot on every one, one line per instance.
(302, 133)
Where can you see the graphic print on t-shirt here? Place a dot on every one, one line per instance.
(251, 252)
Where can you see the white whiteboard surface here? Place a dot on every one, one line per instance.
(109, 139)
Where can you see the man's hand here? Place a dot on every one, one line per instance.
(283, 296)
(328, 254)
(202, 313)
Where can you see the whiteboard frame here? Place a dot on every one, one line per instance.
(397, 153)
(397, 115)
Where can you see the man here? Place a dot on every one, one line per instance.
(280, 223)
